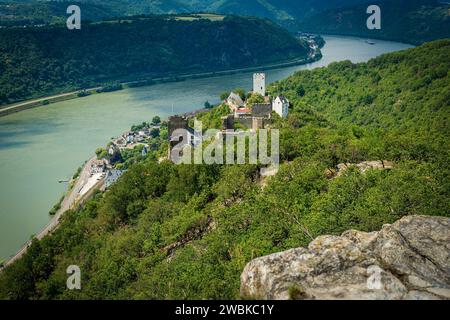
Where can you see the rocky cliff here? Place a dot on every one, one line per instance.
(409, 259)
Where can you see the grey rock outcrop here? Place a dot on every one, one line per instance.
(362, 167)
(409, 259)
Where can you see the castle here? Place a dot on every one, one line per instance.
(255, 115)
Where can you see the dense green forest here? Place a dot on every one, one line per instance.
(186, 232)
(44, 60)
(410, 21)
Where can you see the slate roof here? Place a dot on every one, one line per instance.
(261, 110)
(236, 99)
(283, 99)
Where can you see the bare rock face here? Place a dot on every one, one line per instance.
(409, 259)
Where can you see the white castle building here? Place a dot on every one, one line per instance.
(281, 106)
(259, 83)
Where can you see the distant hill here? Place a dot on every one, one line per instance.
(39, 61)
(36, 13)
(282, 11)
(411, 21)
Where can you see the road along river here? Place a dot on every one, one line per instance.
(39, 147)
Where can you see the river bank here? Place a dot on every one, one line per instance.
(44, 101)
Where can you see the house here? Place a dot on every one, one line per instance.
(235, 101)
(143, 133)
(259, 83)
(98, 166)
(128, 137)
(281, 106)
(112, 149)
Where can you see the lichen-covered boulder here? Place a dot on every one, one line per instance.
(409, 259)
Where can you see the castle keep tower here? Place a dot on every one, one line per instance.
(259, 83)
(177, 122)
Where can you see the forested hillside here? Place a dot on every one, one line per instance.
(410, 21)
(44, 60)
(186, 232)
(31, 13)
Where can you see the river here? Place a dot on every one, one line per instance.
(40, 146)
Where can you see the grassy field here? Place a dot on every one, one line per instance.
(209, 16)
